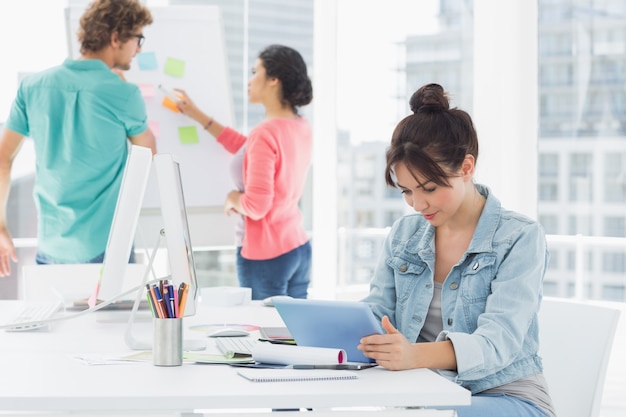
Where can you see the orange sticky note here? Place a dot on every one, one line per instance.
(168, 103)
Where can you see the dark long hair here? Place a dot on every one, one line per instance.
(434, 140)
(287, 65)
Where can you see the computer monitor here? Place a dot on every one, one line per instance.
(124, 225)
(176, 227)
(126, 217)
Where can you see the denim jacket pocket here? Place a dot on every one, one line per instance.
(406, 275)
(403, 267)
(476, 278)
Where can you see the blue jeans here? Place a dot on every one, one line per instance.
(43, 259)
(499, 405)
(288, 274)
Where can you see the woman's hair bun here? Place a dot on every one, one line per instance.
(430, 98)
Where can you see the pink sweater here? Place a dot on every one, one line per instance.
(275, 165)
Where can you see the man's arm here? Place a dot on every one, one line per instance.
(145, 139)
(9, 146)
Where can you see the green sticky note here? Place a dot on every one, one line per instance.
(188, 134)
(175, 67)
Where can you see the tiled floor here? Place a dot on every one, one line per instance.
(614, 397)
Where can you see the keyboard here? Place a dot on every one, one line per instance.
(33, 315)
(233, 347)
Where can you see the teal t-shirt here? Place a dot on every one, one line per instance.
(79, 115)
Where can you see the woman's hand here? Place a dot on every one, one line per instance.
(232, 203)
(186, 106)
(392, 350)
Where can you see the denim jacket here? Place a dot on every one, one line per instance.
(489, 300)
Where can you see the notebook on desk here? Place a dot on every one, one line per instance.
(329, 323)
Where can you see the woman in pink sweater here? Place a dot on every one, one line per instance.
(274, 256)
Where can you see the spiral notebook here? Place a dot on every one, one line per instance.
(278, 375)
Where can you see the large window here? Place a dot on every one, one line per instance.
(580, 156)
(562, 151)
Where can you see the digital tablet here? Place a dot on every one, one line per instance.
(329, 323)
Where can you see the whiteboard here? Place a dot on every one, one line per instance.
(184, 48)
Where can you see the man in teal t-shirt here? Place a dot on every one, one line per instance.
(80, 116)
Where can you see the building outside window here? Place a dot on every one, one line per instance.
(581, 105)
(582, 145)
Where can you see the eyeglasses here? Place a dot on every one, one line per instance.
(140, 39)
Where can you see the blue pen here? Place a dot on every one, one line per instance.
(170, 299)
(167, 302)
(173, 297)
(159, 301)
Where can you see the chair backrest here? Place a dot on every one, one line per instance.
(575, 343)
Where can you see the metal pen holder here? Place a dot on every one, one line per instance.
(167, 349)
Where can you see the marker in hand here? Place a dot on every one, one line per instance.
(168, 93)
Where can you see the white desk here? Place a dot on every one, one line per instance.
(38, 373)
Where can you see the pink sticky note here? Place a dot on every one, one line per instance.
(154, 127)
(147, 90)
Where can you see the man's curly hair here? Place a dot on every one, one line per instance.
(105, 17)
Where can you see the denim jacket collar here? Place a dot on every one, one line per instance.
(422, 242)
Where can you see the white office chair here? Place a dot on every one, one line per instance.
(575, 343)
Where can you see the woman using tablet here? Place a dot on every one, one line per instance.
(459, 283)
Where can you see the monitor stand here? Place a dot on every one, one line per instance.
(133, 342)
